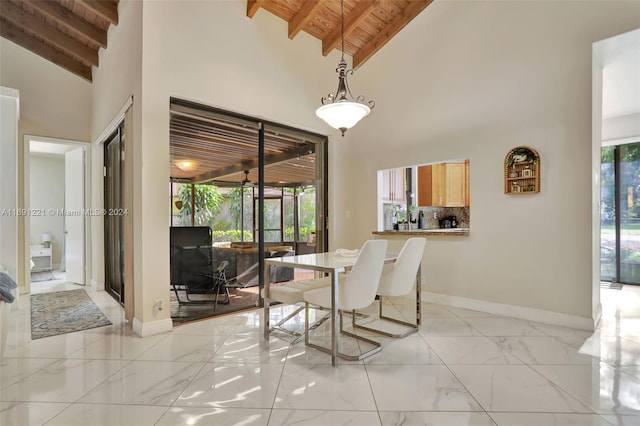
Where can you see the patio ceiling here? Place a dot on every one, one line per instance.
(223, 150)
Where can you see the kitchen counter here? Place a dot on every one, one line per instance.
(436, 231)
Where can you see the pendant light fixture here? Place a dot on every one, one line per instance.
(341, 111)
(187, 165)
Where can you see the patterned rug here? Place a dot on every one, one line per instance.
(64, 312)
(42, 276)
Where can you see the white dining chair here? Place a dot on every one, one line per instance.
(356, 290)
(398, 279)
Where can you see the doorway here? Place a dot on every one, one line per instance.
(55, 232)
(616, 159)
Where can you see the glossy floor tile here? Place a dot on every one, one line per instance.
(515, 388)
(462, 367)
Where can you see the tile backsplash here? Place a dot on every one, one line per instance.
(461, 213)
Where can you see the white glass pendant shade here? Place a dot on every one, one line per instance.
(343, 115)
(187, 165)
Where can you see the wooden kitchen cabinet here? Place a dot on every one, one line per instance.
(467, 187)
(443, 185)
(394, 189)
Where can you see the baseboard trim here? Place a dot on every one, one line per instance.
(151, 328)
(597, 316)
(513, 311)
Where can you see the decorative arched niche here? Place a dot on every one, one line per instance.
(522, 171)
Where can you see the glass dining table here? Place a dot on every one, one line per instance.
(331, 263)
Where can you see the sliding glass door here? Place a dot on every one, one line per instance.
(620, 214)
(114, 224)
(261, 188)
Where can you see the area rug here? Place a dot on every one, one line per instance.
(64, 312)
(42, 276)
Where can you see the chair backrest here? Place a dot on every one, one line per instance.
(397, 279)
(361, 285)
(222, 266)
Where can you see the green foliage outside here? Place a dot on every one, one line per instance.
(208, 201)
(221, 225)
(629, 182)
(626, 228)
(232, 235)
(233, 198)
(304, 233)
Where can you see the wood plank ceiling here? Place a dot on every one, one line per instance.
(68, 33)
(220, 152)
(368, 24)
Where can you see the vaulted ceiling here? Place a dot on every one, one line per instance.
(68, 33)
(368, 24)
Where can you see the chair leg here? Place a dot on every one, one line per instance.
(412, 327)
(306, 323)
(377, 347)
(278, 325)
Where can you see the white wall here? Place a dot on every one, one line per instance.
(472, 80)
(9, 116)
(53, 99)
(114, 82)
(625, 128)
(46, 180)
(213, 54)
(55, 103)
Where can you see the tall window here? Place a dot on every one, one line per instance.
(620, 213)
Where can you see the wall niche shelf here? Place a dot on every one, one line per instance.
(522, 171)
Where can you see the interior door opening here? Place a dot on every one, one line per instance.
(55, 189)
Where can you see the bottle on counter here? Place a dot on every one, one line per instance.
(421, 222)
(394, 220)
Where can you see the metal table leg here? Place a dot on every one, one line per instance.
(334, 318)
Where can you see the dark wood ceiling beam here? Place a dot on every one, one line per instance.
(351, 22)
(70, 20)
(107, 10)
(387, 33)
(253, 6)
(14, 34)
(21, 19)
(301, 150)
(304, 15)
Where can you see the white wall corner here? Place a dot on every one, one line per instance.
(512, 311)
(97, 285)
(151, 328)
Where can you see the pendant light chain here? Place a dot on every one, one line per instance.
(342, 24)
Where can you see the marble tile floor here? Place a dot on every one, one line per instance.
(462, 368)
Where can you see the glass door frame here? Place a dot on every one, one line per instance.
(114, 224)
(621, 275)
(320, 143)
